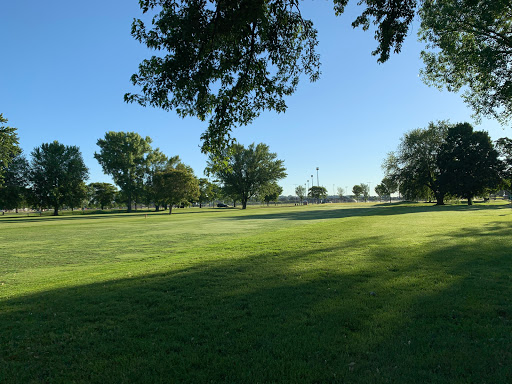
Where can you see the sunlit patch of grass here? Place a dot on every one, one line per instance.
(336, 293)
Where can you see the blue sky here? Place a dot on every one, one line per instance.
(66, 65)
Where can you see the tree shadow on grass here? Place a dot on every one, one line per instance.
(301, 316)
(375, 210)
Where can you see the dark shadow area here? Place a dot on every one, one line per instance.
(376, 210)
(439, 316)
(383, 209)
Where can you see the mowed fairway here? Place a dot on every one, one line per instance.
(325, 294)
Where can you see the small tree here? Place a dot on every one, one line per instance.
(381, 191)
(357, 190)
(56, 172)
(300, 191)
(317, 192)
(126, 157)
(271, 192)
(176, 185)
(341, 193)
(102, 194)
(386, 188)
(365, 191)
(246, 171)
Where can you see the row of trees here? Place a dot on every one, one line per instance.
(315, 192)
(55, 175)
(445, 159)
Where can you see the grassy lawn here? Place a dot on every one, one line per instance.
(355, 293)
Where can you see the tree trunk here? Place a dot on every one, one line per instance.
(129, 207)
(157, 208)
(244, 203)
(439, 199)
(170, 209)
(55, 211)
(200, 205)
(470, 201)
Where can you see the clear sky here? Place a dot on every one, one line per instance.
(66, 65)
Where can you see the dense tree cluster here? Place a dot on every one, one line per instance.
(445, 159)
(55, 176)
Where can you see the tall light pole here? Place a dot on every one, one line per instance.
(369, 190)
(312, 181)
(307, 188)
(317, 182)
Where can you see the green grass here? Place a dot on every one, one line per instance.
(266, 295)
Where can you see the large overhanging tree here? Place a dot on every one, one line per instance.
(471, 50)
(226, 61)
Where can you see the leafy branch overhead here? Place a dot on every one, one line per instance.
(226, 61)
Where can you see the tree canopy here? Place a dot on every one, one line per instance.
(126, 157)
(227, 61)
(300, 191)
(176, 185)
(8, 145)
(357, 190)
(469, 46)
(102, 194)
(414, 165)
(468, 162)
(14, 190)
(248, 171)
(317, 192)
(57, 172)
(271, 192)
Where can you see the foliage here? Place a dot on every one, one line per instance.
(381, 191)
(103, 194)
(247, 171)
(414, 165)
(470, 46)
(270, 192)
(357, 190)
(8, 145)
(14, 190)
(225, 61)
(468, 162)
(126, 157)
(57, 172)
(365, 190)
(317, 192)
(386, 187)
(341, 193)
(207, 191)
(504, 148)
(300, 191)
(156, 162)
(77, 196)
(176, 185)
